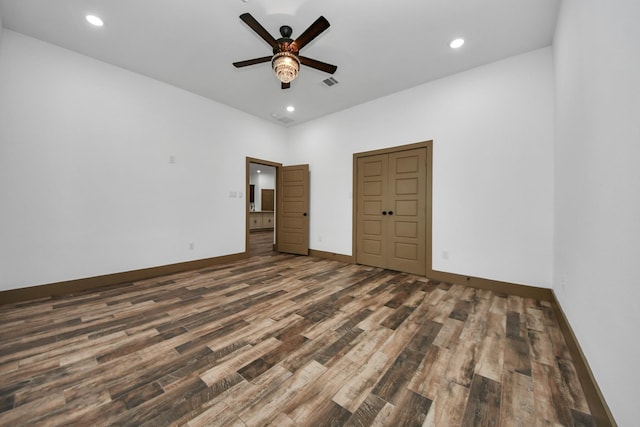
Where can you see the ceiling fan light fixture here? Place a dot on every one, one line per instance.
(286, 66)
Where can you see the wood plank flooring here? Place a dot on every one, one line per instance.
(282, 340)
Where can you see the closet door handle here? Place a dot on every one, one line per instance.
(304, 214)
(384, 212)
(390, 212)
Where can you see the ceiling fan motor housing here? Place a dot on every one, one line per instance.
(286, 31)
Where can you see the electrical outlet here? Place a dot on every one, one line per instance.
(445, 254)
(319, 238)
(233, 194)
(172, 159)
(192, 246)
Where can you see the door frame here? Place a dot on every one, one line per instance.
(428, 197)
(278, 167)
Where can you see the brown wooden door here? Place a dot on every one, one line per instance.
(391, 211)
(406, 218)
(372, 199)
(293, 210)
(266, 199)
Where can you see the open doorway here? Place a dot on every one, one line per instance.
(261, 207)
(280, 212)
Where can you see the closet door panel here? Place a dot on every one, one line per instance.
(406, 230)
(372, 196)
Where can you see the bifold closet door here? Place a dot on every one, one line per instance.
(391, 211)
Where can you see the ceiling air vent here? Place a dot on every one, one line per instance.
(285, 120)
(330, 81)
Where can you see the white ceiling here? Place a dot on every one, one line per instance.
(379, 46)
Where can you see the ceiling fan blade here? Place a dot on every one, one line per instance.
(259, 29)
(311, 33)
(252, 61)
(318, 65)
(286, 85)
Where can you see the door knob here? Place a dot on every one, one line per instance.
(384, 212)
(304, 214)
(390, 212)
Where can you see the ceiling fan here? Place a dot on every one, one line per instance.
(285, 60)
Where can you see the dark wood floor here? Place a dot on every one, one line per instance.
(283, 340)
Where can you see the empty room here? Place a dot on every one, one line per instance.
(305, 213)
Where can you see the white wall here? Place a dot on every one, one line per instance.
(492, 129)
(597, 207)
(86, 182)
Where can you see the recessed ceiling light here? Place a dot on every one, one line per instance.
(94, 20)
(291, 108)
(456, 43)
(259, 171)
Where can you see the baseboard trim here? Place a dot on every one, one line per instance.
(350, 259)
(597, 404)
(525, 291)
(73, 286)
